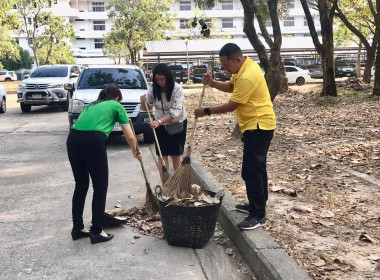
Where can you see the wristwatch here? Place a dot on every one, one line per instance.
(160, 122)
(207, 111)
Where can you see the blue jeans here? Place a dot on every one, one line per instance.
(254, 169)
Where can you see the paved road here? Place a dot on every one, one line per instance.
(35, 221)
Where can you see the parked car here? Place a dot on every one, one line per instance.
(45, 86)
(316, 71)
(3, 100)
(7, 76)
(224, 75)
(297, 75)
(197, 72)
(344, 69)
(180, 73)
(132, 83)
(362, 70)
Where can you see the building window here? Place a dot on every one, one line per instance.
(291, 4)
(227, 5)
(184, 24)
(208, 22)
(98, 6)
(99, 25)
(289, 21)
(79, 19)
(80, 38)
(82, 48)
(29, 20)
(269, 23)
(304, 21)
(227, 23)
(99, 43)
(185, 5)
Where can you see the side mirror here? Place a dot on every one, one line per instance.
(74, 75)
(68, 86)
(26, 76)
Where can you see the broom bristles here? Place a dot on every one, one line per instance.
(180, 181)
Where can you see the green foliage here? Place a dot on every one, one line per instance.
(48, 36)
(24, 61)
(360, 16)
(134, 22)
(52, 44)
(8, 21)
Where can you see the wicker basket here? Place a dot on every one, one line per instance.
(189, 226)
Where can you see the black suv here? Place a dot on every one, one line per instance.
(180, 73)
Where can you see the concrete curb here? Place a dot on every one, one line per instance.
(260, 251)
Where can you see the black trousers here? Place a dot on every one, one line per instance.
(254, 169)
(88, 157)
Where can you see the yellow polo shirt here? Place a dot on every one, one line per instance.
(251, 91)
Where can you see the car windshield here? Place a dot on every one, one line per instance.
(101, 78)
(50, 72)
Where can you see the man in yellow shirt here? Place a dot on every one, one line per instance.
(254, 111)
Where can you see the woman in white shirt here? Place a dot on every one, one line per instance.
(166, 96)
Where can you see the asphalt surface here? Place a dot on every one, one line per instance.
(35, 212)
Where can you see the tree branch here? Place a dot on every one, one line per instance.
(310, 23)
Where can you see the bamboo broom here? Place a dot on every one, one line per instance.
(151, 202)
(180, 182)
(165, 172)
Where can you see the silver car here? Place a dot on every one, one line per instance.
(45, 86)
(7, 76)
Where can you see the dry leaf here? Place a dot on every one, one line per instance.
(326, 214)
(303, 209)
(326, 224)
(366, 238)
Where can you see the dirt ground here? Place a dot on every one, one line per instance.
(324, 171)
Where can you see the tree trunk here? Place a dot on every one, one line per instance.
(358, 61)
(376, 87)
(371, 56)
(35, 56)
(329, 86)
(275, 74)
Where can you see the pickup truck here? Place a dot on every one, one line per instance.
(180, 73)
(197, 73)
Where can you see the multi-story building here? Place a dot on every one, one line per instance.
(90, 22)
(228, 18)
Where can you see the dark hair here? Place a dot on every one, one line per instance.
(230, 50)
(108, 93)
(163, 69)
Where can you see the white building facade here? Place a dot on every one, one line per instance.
(90, 23)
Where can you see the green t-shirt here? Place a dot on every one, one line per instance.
(101, 117)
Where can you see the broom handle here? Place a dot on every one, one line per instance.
(155, 135)
(138, 151)
(195, 123)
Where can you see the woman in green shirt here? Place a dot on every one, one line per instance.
(86, 148)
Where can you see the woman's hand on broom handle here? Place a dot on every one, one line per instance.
(138, 155)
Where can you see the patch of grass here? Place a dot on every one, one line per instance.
(326, 101)
(351, 124)
(350, 95)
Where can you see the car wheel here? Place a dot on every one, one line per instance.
(300, 81)
(65, 106)
(25, 108)
(8, 79)
(3, 106)
(148, 137)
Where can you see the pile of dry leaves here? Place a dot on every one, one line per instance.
(324, 171)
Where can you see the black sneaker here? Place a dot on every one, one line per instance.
(251, 222)
(242, 208)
